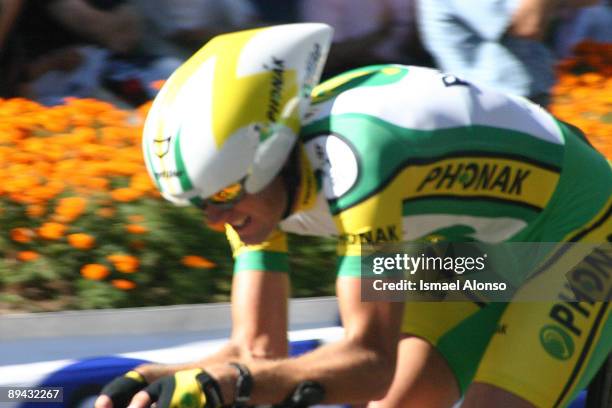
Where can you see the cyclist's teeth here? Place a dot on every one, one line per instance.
(241, 223)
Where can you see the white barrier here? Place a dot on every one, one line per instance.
(35, 348)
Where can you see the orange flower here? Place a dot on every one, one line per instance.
(143, 110)
(57, 125)
(22, 235)
(70, 208)
(194, 261)
(52, 230)
(136, 229)
(36, 210)
(592, 79)
(124, 263)
(123, 284)
(97, 183)
(81, 241)
(26, 256)
(95, 271)
(125, 194)
(142, 182)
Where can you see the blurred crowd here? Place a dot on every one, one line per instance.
(115, 49)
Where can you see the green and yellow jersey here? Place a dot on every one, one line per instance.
(396, 153)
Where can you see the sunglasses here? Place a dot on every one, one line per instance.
(226, 198)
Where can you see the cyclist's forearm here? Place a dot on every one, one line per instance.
(233, 351)
(357, 369)
(349, 371)
(259, 313)
(152, 372)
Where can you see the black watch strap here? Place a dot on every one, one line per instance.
(244, 385)
(211, 389)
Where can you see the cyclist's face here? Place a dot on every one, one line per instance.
(255, 216)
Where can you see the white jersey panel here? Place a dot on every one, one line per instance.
(315, 221)
(426, 99)
(508, 112)
(420, 100)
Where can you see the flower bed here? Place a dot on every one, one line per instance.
(583, 93)
(83, 226)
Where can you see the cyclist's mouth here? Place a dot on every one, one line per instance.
(240, 224)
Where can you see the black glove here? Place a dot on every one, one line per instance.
(122, 389)
(186, 389)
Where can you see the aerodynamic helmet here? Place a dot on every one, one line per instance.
(232, 112)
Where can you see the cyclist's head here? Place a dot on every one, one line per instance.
(228, 118)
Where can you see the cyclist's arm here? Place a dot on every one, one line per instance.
(259, 314)
(358, 368)
(259, 320)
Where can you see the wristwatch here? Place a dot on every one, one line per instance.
(244, 385)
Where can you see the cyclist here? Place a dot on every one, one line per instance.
(378, 154)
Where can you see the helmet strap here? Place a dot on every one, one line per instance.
(291, 179)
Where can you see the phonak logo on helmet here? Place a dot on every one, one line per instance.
(277, 82)
(588, 283)
(276, 88)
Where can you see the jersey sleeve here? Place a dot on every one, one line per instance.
(363, 198)
(271, 255)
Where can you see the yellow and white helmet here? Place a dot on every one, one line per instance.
(233, 111)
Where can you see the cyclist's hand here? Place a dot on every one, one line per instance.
(184, 389)
(119, 392)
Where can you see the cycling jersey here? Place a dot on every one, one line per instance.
(394, 153)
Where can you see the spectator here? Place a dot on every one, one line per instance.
(9, 49)
(367, 32)
(58, 44)
(180, 27)
(589, 23)
(9, 11)
(83, 48)
(495, 43)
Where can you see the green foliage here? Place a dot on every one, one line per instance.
(53, 281)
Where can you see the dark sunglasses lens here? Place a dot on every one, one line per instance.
(227, 197)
